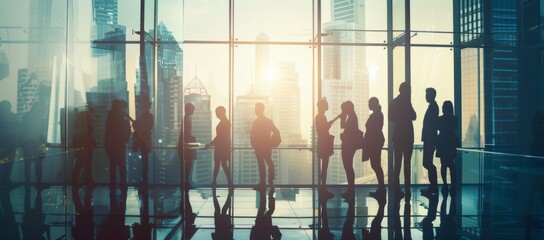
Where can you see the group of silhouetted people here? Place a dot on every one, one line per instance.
(438, 134)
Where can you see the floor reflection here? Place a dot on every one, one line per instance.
(263, 228)
(222, 217)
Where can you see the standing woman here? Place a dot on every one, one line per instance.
(222, 145)
(374, 141)
(186, 154)
(325, 142)
(350, 123)
(447, 142)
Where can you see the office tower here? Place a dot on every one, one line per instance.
(262, 66)
(491, 72)
(287, 118)
(196, 93)
(245, 169)
(109, 52)
(344, 74)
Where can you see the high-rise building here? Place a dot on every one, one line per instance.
(286, 111)
(245, 169)
(196, 93)
(262, 66)
(344, 73)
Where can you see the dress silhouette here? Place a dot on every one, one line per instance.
(264, 135)
(83, 143)
(263, 228)
(32, 140)
(447, 142)
(116, 137)
(373, 145)
(429, 136)
(402, 114)
(8, 140)
(222, 145)
(325, 143)
(186, 154)
(222, 218)
(350, 123)
(143, 137)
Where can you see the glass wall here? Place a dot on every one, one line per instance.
(63, 60)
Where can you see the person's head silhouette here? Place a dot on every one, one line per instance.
(374, 104)
(259, 109)
(447, 108)
(220, 112)
(430, 95)
(348, 108)
(405, 89)
(322, 105)
(189, 109)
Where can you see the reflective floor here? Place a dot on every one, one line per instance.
(45, 212)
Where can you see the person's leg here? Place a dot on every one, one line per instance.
(444, 170)
(226, 169)
(215, 171)
(324, 168)
(270, 164)
(76, 171)
(347, 160)
(188, 168)
(452, 171)
(25, 146)
(396, 168)
(375, 163)
(260, 165)
(122, 169)
(428, 152)
(39, 168)
(145, 166)
(408, 168)
(88, 167)
(113, 172)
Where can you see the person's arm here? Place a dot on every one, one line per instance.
(413, 112)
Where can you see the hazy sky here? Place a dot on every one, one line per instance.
(281, 20)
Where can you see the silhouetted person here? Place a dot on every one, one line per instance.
(373, 145)
(325, 144)
(116, 137)
(447, 142)
(402, 114)
(33, 226)
(33, 140)
(143, 137)
(8, 141)
(537, 130)
(84, 224)
(114, 226)
(263, 228)
(222, 218)
(375, 232)
(347, 229)
(84, 144)
(188, 217)
(350, 123)
(8, 226)
(186, 154)
(324, 231)
(429, 136)
(222, 145)
(427, 222)
(263, 135)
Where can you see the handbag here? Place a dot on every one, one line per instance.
(359, 139)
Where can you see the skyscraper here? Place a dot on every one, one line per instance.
(196, 93)
(261, 65)
(286, 111)
(344, 72)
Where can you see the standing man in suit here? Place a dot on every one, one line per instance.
(429, 137)
(262, 132)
